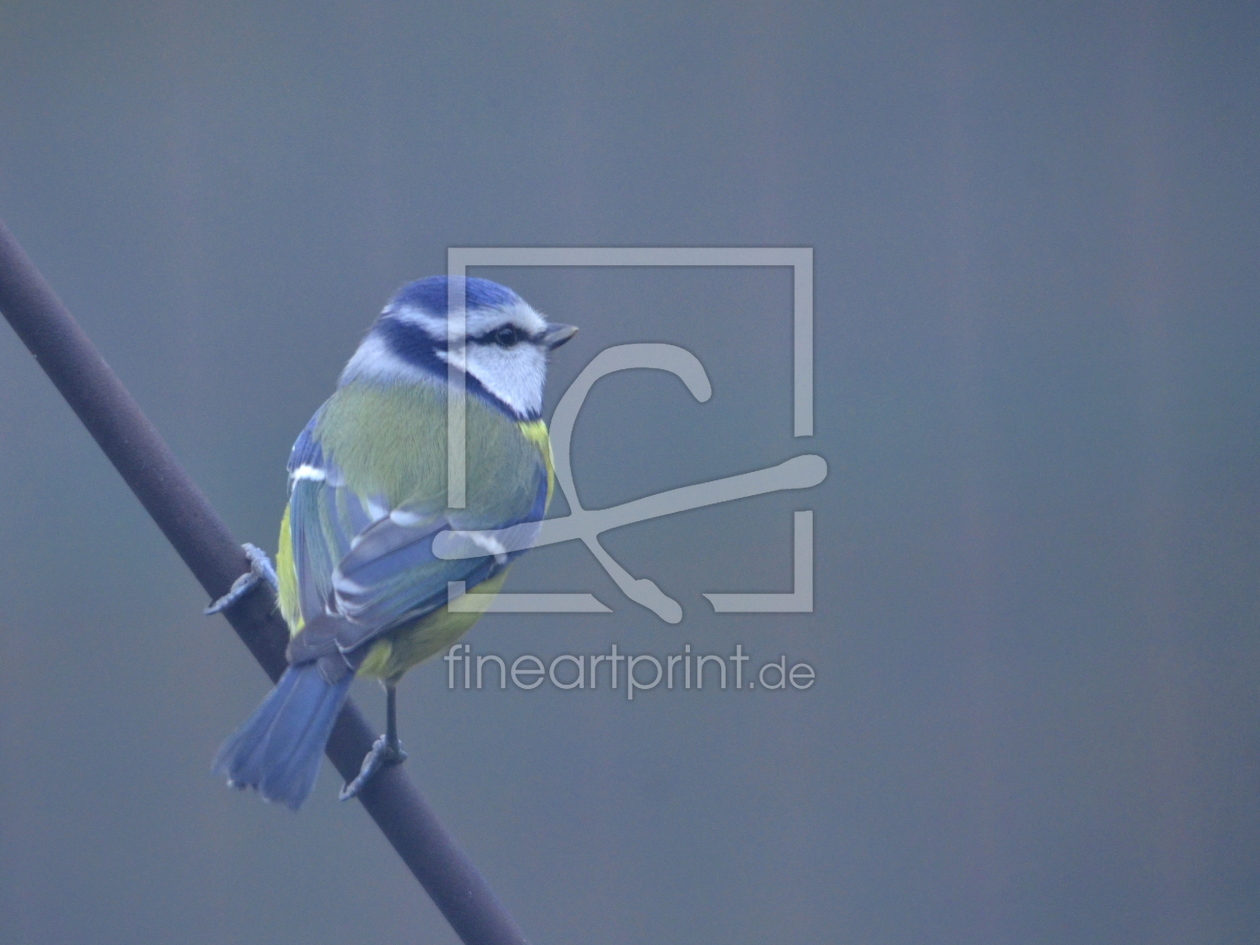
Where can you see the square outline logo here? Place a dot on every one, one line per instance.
(802, 471)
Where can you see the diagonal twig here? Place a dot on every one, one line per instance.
(201, 538)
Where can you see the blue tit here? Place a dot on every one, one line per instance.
(359, 584)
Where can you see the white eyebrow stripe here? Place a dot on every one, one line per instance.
(477, 320)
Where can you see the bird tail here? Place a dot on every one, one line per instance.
(278, 750)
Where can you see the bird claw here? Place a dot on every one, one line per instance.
(383, 754)
(260, 571)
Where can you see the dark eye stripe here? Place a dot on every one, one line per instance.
(498, 336)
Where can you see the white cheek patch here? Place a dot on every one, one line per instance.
(515, 375)
(455, 357)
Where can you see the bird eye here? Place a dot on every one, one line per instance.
(507, 336)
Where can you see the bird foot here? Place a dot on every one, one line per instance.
(260, 572)
(383, 754)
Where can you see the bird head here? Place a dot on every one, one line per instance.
(502, 349)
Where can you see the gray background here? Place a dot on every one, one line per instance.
(1035, 231)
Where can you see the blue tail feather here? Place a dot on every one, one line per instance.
(278, 749)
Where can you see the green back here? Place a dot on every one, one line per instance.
(390, 442)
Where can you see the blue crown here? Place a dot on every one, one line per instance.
(431, 294)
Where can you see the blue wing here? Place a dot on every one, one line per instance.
(368, 566)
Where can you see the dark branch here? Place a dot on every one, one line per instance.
(216, 560)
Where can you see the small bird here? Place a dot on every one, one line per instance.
(359, 584)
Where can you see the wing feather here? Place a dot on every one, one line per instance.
(364, 569)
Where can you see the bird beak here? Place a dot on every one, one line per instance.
(556, 335)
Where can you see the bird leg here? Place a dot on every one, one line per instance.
(260, 572)
(386, 750)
